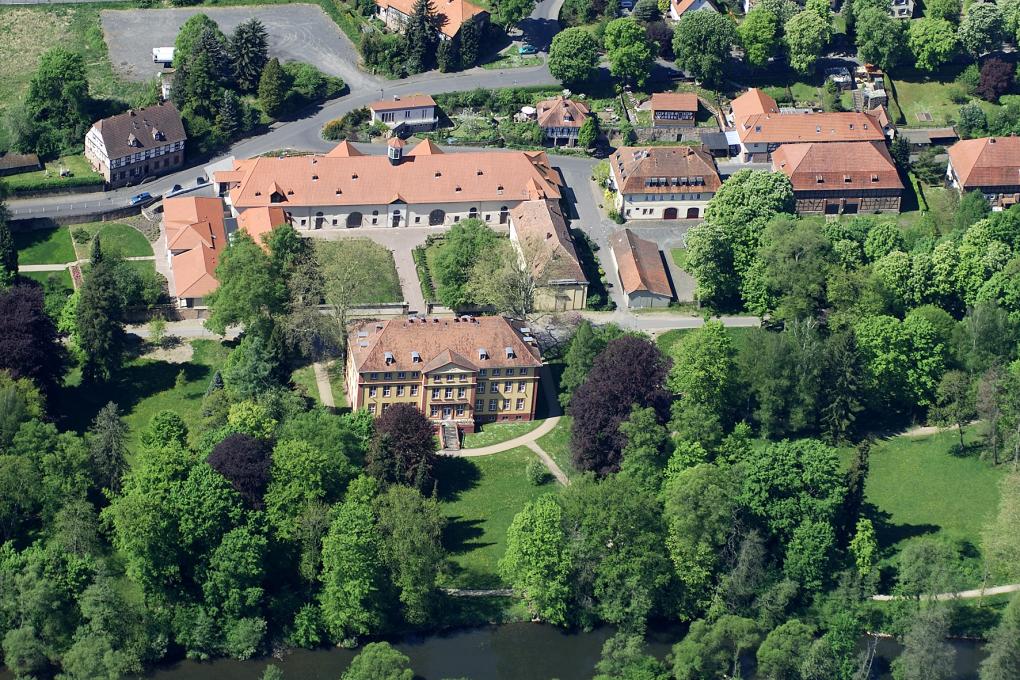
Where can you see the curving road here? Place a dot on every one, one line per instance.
(304, 133)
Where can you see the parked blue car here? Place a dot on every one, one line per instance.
(139, 199)
(527, 49)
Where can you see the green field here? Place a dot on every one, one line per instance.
(739, 337)
(44, 246)
(919, 98)
(509, 58)
(381, 285)
(114, 235)
(497, 433)
(480, 497)
(557, 444)
(144, 387)
(63, 276)
(918, 486)
(49, 177)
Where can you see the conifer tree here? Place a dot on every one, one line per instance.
(8, 252)
(421, 39)
(273, 88)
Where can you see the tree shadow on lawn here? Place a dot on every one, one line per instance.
(460, 533)
(135, 382)
(454, 476)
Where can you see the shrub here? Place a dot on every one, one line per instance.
(995, 80)
(536, 473)
(969, 79)
(81, 235)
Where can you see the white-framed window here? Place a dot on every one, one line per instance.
(520, 404)
(371, 391)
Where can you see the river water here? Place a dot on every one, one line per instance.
(516, 651)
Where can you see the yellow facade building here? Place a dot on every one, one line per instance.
(457, 371)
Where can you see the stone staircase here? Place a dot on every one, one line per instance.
(450, 437)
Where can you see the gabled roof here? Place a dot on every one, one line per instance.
(437, 343)
(137, 130)
(418, 178)
(425, 147)
(540, 225)
(561, 112)
(987, 162)
(675, 101)
(452, 13)
(751, 103)
(414, 101)
(194, 272)
(639, 264)
(681, 6)
(837, 166)
(260, 221)
(632, 166)
(343, 150)
(195, 231)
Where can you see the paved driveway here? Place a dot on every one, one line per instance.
(296, 33)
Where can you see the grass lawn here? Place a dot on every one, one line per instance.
(917, 486)
(49, 177)
(497, 433)
(304, 379)
(918, 98)
(123, 237)
(144, 387)
(738, 336)
(382, 283)
(679, 256)
(509, 58)
(480, 497)
(44, 246)
(557, 444)
(63, 276)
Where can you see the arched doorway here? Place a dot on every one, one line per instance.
(504, 214)
(693, 213)
(473, 213)
(669, 214)
(436, 218)
(354, 220)
(319, 220)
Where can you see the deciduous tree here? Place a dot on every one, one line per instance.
(628, 49)
(807, 36)
(29, 347)
(536, 563)
(932, 41)
(702, 45)
(981, 28)
(587, 343)
(404, 448)
(249, 289)
(244, 461)
(881, 40)
(1004, 645)
(379, 661)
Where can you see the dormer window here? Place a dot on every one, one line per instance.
(874, 178)
(846, 179)
(479, 173)
(315, 178)
(389, 357)
(819, 179)
(457, 189)
(509, 352)
(354, 176)
(415, 358)
(483, 354)
(438, 174)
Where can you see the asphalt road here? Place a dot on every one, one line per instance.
(297, 32)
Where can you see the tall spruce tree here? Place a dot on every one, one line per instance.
(99, 319)
(230, 117)
(421, 39)
(273, 88)
(470, 38)
(249, 53)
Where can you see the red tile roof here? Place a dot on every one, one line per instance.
(759, 121)
(540, 223)
(439, 342)
(632, 166)
(414, 101)
(987, 162)
(195, 235)
(561, 112)
(675, 101)
(837, 166)
(421, 177)
(452, 13)
(260, 221)
(639, 264)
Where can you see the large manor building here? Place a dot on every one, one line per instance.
(346, 188)
(458, 371)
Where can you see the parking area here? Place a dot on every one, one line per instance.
(296, 33)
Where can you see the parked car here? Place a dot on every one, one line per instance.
(141, 199)
(200, 180)
(527, 49)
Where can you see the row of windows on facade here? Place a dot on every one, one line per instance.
(447, 393)
(149, 153)
(390, 116)
(436, 217)
(141, 171)
(461, 377)
(673, 197)
(461, 409)
(675, 181)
